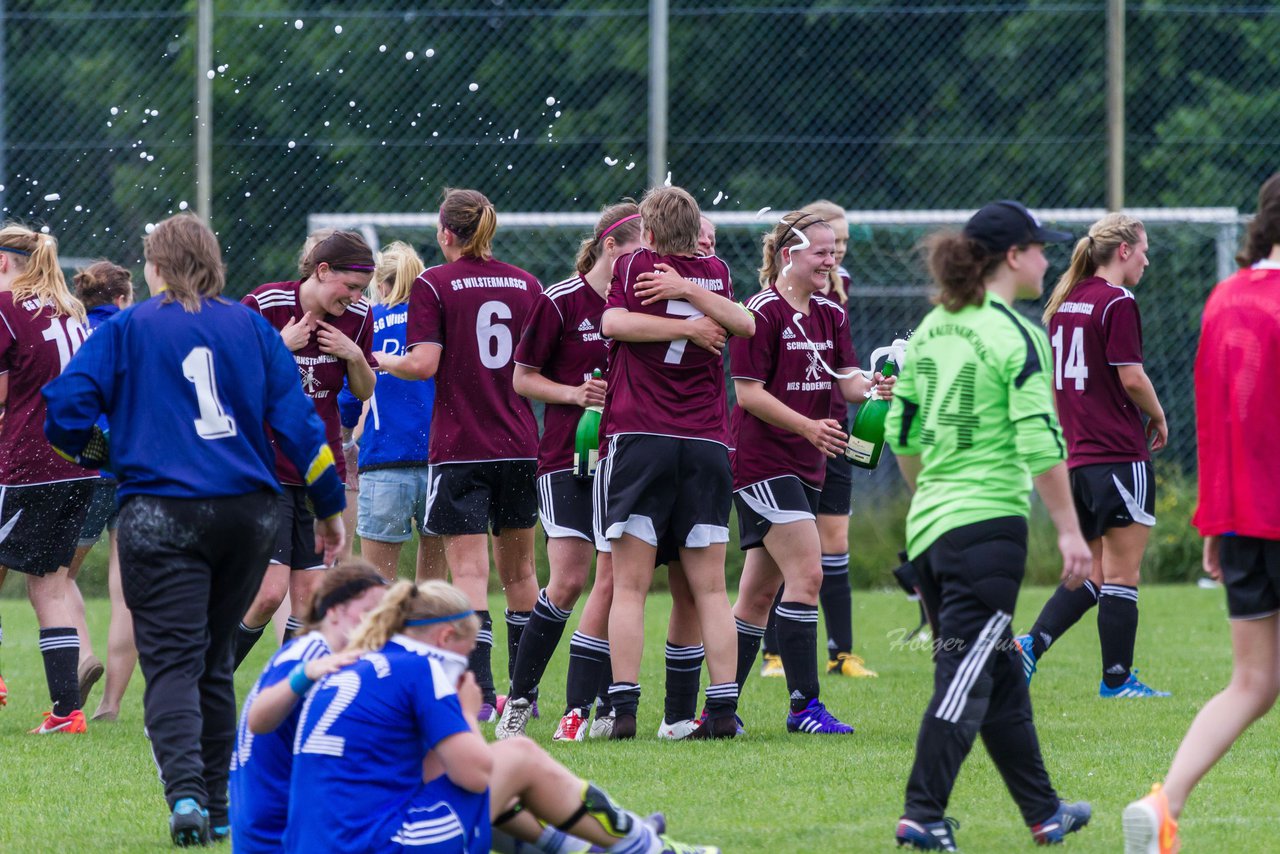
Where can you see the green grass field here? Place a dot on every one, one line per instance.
(770, 791)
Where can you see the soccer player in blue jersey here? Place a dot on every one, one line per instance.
(263, 759)
(391, 747)
(197, 492)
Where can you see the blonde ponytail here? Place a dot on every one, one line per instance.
(35, 256)
(406, 601)
(399, 266)
(1092, 251)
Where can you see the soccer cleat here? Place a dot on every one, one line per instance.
(927, 835)
(708, 728)
(741, 727)
(572, 727)
(677, 731)
(670, 846)
(848, 664)
(515, 717)
(72, 723)
(602, 726)
(501, 703)
(1149, 828)
(657, 822)
(623, 727)
(816, 719)
(487, 713)
(772, 665)
(4, 692)
(1132, 687)
(89, 672)
(1027, 653)
(189, 824)
(1069, 818)
(221, 833)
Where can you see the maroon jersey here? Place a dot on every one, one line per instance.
(321, 373)
(1095, 330)
(474, 310)
(666, 388)
(35, 345)
(840, 406)
(787, 354)
(562, 339)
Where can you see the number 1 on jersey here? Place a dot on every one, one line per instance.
(1074, 367)
(213, 423)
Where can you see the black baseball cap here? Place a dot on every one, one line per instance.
(1000, 225)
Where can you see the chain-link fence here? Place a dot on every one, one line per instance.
(376, 106)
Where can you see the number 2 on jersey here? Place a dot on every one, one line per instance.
(1074, 367)
(213, 423)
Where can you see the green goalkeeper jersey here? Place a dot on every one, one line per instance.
(975, 401)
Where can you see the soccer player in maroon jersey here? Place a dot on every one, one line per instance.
(43, 497)
(667, 473)
(1237, 418)
(560, 347)
(464, 318)
(1102, 392)
(325, 322)
(782, 434)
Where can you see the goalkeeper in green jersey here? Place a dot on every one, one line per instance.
(973, 425)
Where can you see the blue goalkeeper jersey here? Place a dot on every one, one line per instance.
(358, 751)
(397, 430)
(261, 764)
(188, 396)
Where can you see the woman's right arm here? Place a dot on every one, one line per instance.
(464, 756)
(274, 703)
(636, 327)
(420, 363)
(531, 383)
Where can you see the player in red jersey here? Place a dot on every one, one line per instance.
(1102, 392)
(43, 497)
(1238, 514)
(782, 434)
(325, 322)
(464, 318)
(667, 472)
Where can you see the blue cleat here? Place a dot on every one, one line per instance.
(1132, 687)
(817, 720)
(1026, 651)
(927, 836)
(1069, 818)
(189, 824)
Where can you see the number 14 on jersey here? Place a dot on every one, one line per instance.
(1072, 366)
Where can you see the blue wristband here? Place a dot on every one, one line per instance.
(299, 681)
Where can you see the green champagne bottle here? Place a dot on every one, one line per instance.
(586, 442)
(866, 436)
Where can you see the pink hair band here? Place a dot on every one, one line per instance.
(604, 233)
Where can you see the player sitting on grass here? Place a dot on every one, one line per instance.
(668, 470)
(391, 748)
(263, 758)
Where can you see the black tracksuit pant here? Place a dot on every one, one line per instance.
(190, 569)
(969, 580)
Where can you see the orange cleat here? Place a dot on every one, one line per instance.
(1149, 828)
(72, 723)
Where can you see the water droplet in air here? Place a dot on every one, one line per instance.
(473, 87)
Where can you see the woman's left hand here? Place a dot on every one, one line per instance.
(884, 385)
(662, 283)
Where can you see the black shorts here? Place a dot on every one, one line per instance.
(40, 524)
(564, 505)
(296, 530)
(837, 490)
(102, 512)
(1251, 574)
(775, 501)
(1113, 495)
(472, 498)
(660, 486)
